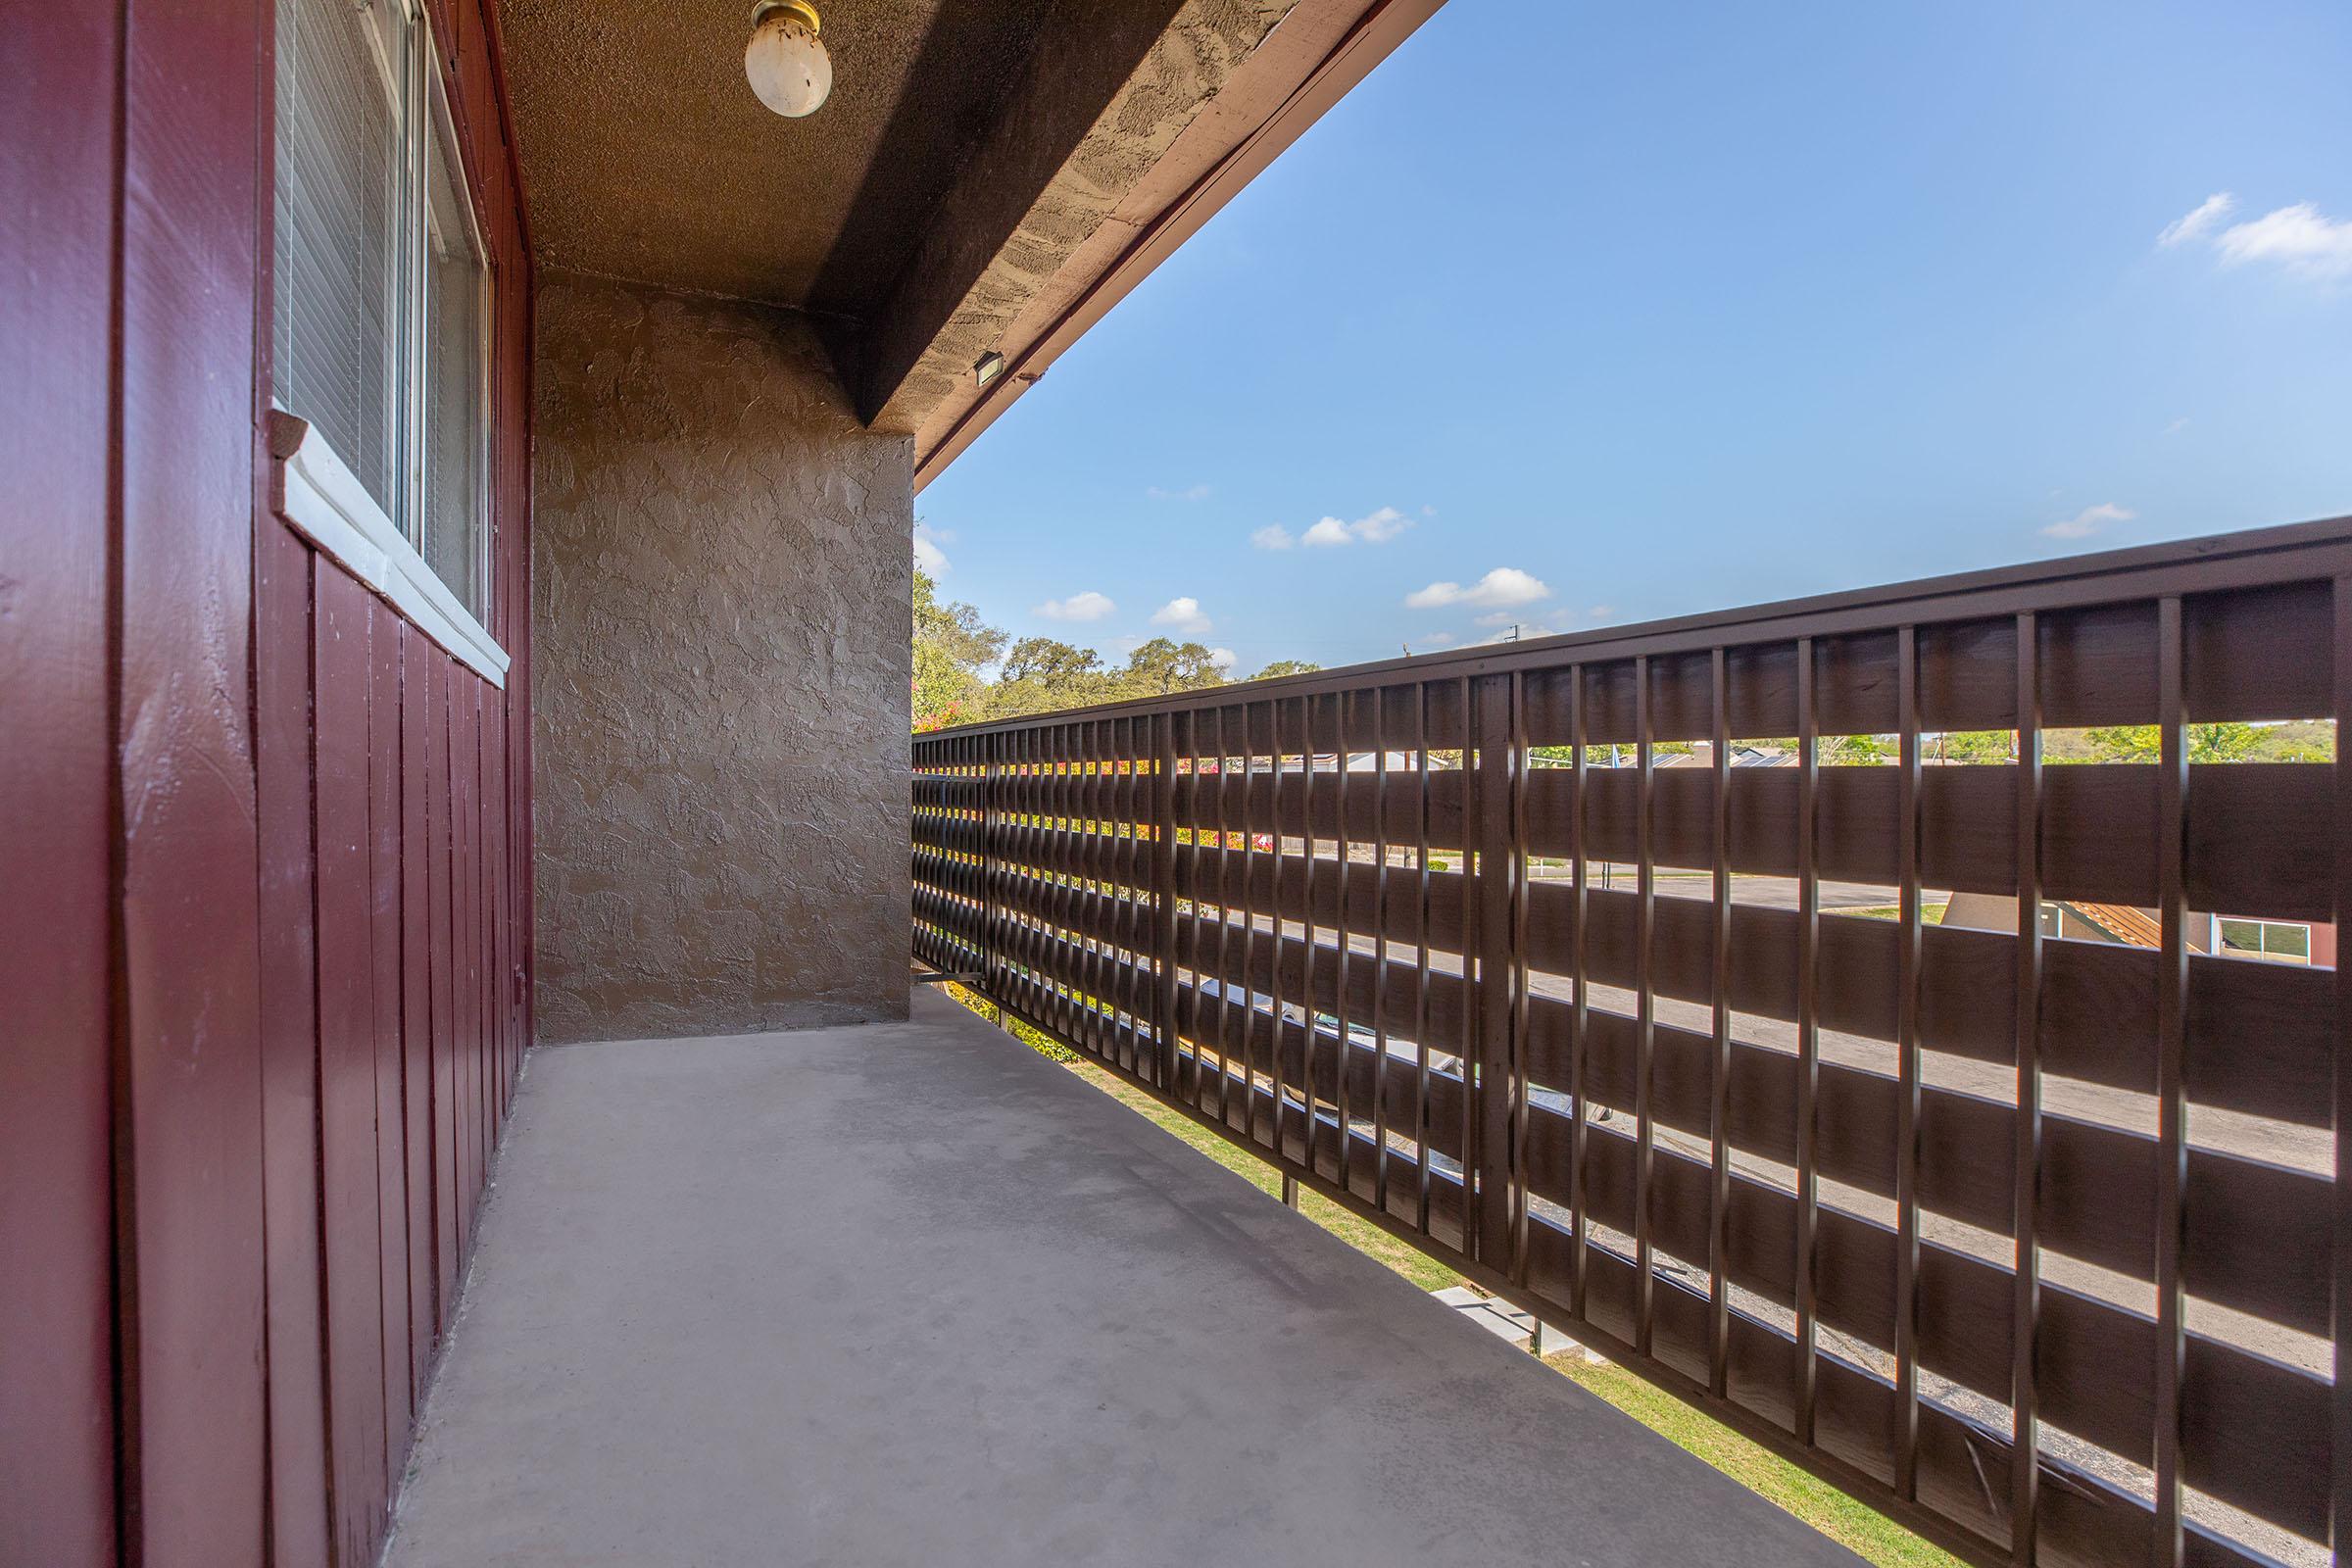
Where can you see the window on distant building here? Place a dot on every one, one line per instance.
(2283, 940)
(380, 327)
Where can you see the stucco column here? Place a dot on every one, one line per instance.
(723, 571)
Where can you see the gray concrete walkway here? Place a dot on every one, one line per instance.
(912, 1294)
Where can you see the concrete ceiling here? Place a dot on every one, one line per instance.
(987, 176)
(647, 157)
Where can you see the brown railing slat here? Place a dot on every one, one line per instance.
(1421, 1120)
(1522, 869)
(1580, 975)
(1646, 892)
(1719, 1063)
(1907, 1069)
(2341, 1501)
(2172, 1105)
(1808, 1042)
(2024, 1331)
(1380, 942)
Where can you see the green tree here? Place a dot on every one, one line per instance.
(2226, 742)
(951, 645)
(1286, 666)
(1858, 750)
(1160, 666)
(1972, 746)
(1043, 676)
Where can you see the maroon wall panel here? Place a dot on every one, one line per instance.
(289, 1052)
(477, 881)
(440, 948)
(57, 160)
(417, 660)
(347, 1176)
(465, 732)
(189, 478)
(268, 825)
(384, 828)
(502, 926)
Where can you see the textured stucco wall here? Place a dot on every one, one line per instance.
(721, 573)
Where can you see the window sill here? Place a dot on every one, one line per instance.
(320, 499)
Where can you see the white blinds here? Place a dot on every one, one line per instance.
(340, 201)
(380, 326)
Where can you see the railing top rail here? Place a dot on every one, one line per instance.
(2247, 559)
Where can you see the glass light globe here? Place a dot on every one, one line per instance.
(788, 67)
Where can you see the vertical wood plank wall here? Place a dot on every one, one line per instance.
(266, 955)
(58, 159)
(395, 805)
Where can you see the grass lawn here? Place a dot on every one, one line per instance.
(1929, 913)
(1867, 1532)
(1858, 1528)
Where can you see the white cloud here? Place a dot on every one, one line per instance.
(1331, 533)
(1438, 639)
(2194, 223)
(927, 554)
(1374, 528)
(1499, 618)
(2300, 238)
(1502, 587)
(2089, 520)
(1601, 613)
(1184, 614)
(1327, 534)
(1196, 492)
(2177, 426)
(1088, 605)
(1222, 658)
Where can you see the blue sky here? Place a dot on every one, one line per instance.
(1600, 314)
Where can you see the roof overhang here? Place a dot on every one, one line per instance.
(988, 178)
(1053, 278)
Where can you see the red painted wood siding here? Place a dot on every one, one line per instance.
(57, 1384)
(268, 1001)
(401, 813)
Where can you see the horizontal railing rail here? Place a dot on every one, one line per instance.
(1661, 980)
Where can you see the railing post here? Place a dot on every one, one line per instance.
(1164, 895)
(987, 863)
(1490, 835)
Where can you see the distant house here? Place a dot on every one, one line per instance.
(2232, 936)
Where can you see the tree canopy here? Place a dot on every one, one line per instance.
(951, 646)
(955, 650)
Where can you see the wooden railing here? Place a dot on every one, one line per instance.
(1590, 1034)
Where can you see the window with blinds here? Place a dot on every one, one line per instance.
(380, 320)
(335, 330)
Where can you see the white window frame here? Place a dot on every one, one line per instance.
(324, 501)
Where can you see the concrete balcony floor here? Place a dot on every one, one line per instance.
(911, 1294)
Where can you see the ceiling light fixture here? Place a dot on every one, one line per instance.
(788, 67)
(988, 368)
